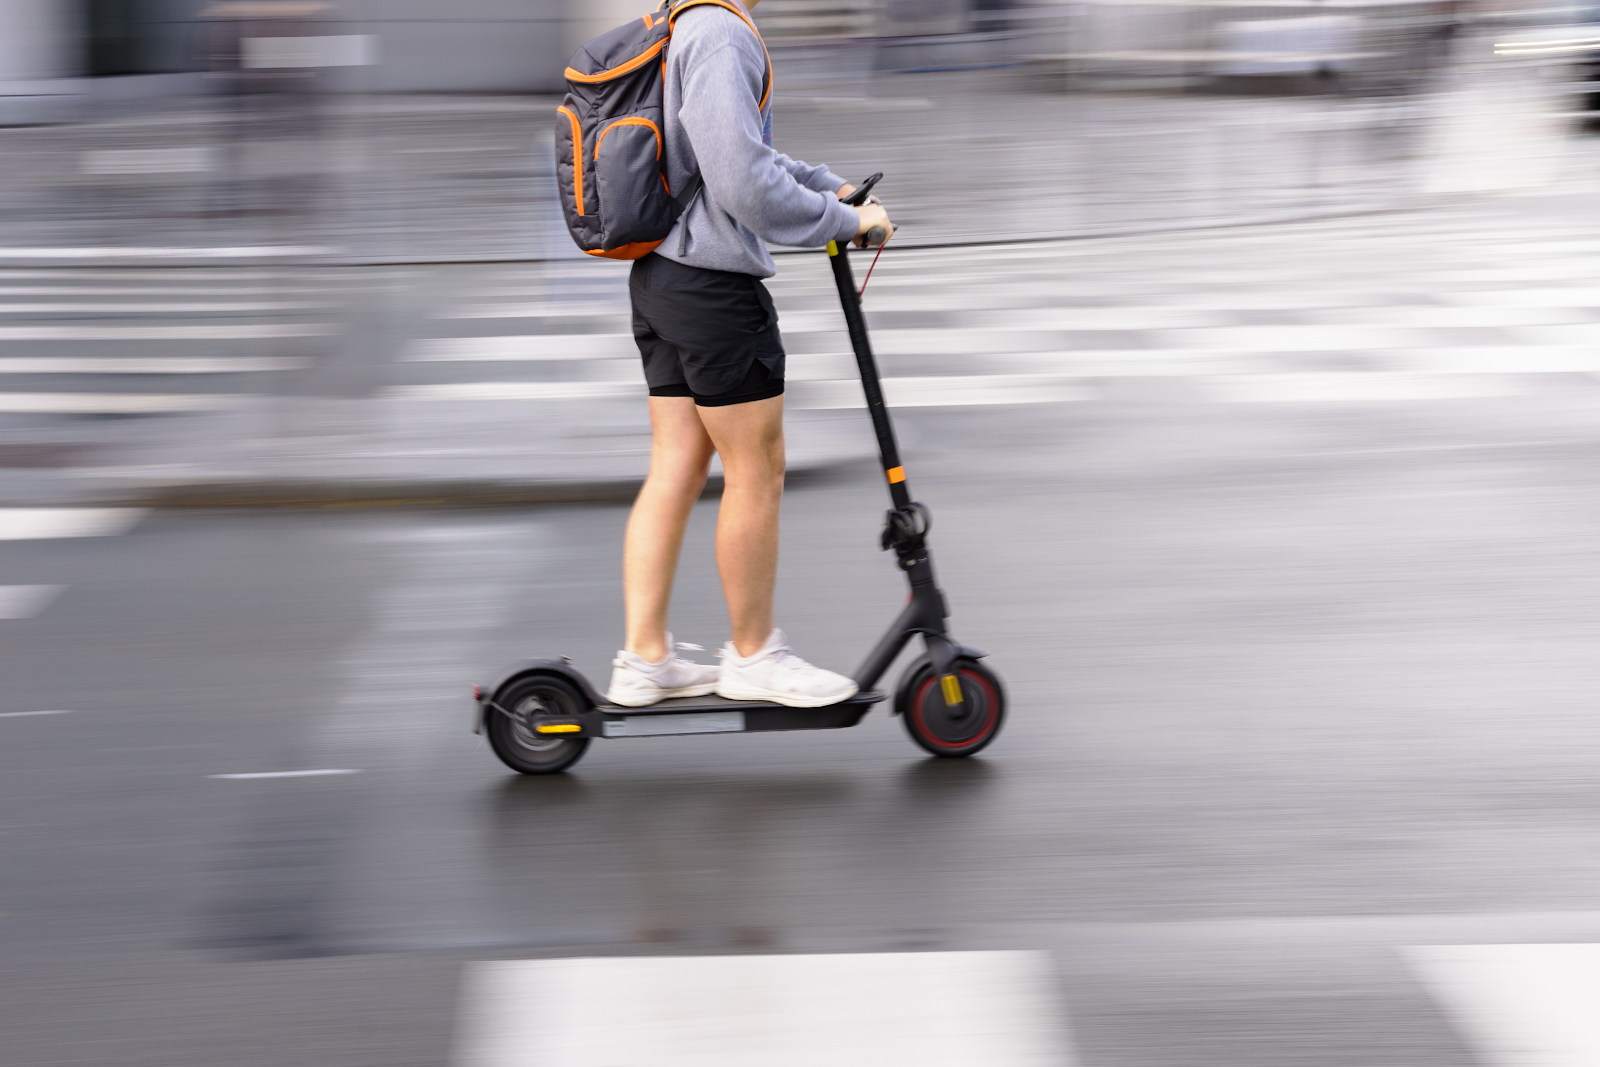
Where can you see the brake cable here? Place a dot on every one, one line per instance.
(862, 291)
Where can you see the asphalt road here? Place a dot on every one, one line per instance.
(1292, 687)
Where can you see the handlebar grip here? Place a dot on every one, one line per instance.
(877, 235)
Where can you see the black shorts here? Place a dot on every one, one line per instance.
(709, 334)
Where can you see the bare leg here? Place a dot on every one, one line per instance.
(749, 437)
(680, 453)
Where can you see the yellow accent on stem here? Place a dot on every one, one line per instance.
(833, 248)
(559, 728)
(952, 690)
(896, 475)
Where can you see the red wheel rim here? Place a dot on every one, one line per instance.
(991, 716)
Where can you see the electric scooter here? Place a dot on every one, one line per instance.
(541, 714)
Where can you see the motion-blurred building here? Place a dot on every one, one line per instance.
(53, 52)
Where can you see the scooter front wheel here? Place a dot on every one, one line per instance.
(952, 732)
(521, 704)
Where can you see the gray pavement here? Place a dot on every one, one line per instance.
(1292, 688)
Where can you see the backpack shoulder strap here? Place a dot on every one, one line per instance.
(681, 6)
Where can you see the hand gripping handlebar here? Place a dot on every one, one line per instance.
(876, 235)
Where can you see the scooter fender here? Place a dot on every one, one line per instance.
(902, 689)
(521, 669)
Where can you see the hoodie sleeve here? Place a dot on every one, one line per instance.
(743, 176)
(818, 179)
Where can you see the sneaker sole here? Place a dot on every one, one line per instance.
(666, 694)
(788, 700)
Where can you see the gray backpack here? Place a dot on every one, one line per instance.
(610, 172)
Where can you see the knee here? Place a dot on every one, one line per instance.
(756, 475)
(685, 471)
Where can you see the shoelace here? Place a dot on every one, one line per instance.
(680, 646)
(785, 658)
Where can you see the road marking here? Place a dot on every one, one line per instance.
(153, 309)
(1554, 296)
(25, 601)
(236, 332)
(553, 310)
(980, 389)
(29, 524)
(963, 342)
(1520, 1005)
(982, 322)
(168, 365)
(961, 391)
(1473, 316)
(1310, 338)
(516, 391)
(187, 159)
(104, 252)
(923, 1009)
(288, 774)
(523, 347)
(25, 714)
(172, 290)
(226, 272)
(1355, 387)
(112, 403)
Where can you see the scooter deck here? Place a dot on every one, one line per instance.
(716, 715)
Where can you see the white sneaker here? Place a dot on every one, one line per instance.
(636, 682)
(777, 674)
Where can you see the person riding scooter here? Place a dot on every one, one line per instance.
(708, 334)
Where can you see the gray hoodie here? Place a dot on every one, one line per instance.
(714, 124)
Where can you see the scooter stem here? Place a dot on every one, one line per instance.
(926, 612)
(850, 301)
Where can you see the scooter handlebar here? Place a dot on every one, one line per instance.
(877, 235)
(859, 197)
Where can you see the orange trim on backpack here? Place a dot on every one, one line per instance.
(896, 475)
(748, 21)
(633, 64)
(647, 23)
(577, 155)
(631, 120)
(636, 250)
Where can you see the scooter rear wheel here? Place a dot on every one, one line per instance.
(953, 732)
(511, 732)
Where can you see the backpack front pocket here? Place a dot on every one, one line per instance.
(632, 191)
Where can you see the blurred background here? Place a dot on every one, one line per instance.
(1245, 351)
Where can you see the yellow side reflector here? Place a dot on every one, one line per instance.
(559, 728)
(952, 690)
(833, 248)
(896, 474)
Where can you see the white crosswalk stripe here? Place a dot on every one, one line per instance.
(113, 403)
(37, 524)
(192, 308)
(25, 601)
(141, 323)
(168, 365)
(552, 346)
(30, 524)
(926, 1009)
(1520, 1005)
(251, 331)
(1351, 311)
